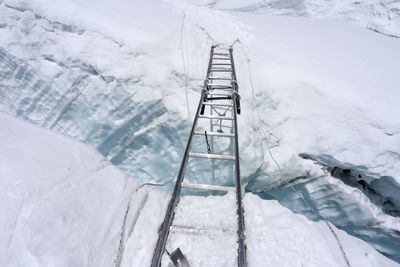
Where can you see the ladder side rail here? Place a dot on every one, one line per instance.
(164, 231)
(241, 237)
(212, 146)
(204, 96)
(169, 215)
(234, 81)
(209, 65)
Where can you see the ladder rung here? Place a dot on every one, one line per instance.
(211, 156)
(215, 93)
(187, 229)
(221, 58)
(197, 230)
(228, 64)
(215, 134)
(220, 78)
(221, 70)
(219, 98)
(219, 85)
(208, 187)
(219, 88)
(215, 117)
(223, 89)
(217, 104)
(221, 54)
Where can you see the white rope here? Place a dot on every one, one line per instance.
(207, 34)
(307, 204)
(280, 171)
(184, 68)
(184, 62)
(222, 113)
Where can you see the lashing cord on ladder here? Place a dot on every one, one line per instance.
(280, 171)
(223, 113)
(208, 144)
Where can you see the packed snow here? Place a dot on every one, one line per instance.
(63, 204)
(125, 77)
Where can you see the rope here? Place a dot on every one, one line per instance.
(223, 113)
(280, 171)
(207, 34)
(169, 254)
(184, 68)
(248, 63)
(121, 245)
(208, 144)
(155, 184)
(117, 261)
(308, 205)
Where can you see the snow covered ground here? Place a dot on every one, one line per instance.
(378, 15)
(63, 204)
(115, 75)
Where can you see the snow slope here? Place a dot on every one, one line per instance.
(379, 16)
(65, 205)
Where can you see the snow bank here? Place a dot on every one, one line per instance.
(285, 239)
(62, 204)
(380, 16)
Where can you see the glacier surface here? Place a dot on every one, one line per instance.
(63, 204)
(111, 75)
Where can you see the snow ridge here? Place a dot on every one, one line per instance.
(380, 16)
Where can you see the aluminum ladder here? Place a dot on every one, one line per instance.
(220, 91)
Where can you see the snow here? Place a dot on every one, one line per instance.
(292, 240)
(301, 68)
(114, 74)
(214, 242)
(64, 204)
(378, 15)
(143, 234)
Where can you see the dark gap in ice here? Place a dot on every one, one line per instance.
(342, 209)
(383, 191)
